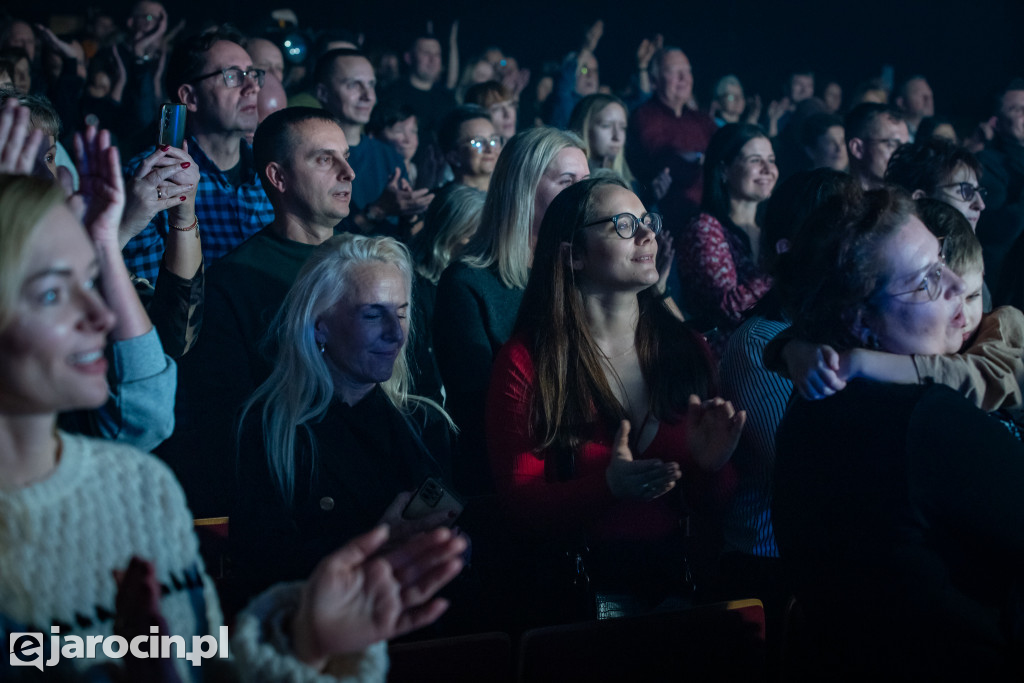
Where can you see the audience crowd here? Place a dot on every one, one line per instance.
(449, 343)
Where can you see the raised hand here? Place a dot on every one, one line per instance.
(19, 144)
(165, 180)
(593, 36)
(358, 596)
(661, 183)
(100, 198)
(638, 479)
(713, 431)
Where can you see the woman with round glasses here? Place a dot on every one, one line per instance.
(896, 506)
(596, 409)
(470, 145)
(719, 252)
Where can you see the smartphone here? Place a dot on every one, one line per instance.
(172, 125)
(431, 497)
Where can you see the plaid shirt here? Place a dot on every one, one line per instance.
(227, 215)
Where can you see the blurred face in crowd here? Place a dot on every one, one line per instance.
(316, 180)
(1010, 120)
(350, 93)
(52, 352)
(887, 134)
(917, 99)
(752, 174)
(731, 102)
(20, 34)
(607, 134)
(477, 148)
(504, 115)
(829, 150)
(587, 81)
(961, 191)
(365, 331)
(907, 320)
(833, 97)
(145, 19)
(569, 166)
(482, 72)
(425, 59)
(405, 136)
(267, 56)
(675, 79)
(946, 131)
(212, 105)
(22, 75)
(801, 87)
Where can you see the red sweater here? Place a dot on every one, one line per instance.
(585, 503)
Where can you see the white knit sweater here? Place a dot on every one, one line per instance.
(61, 538)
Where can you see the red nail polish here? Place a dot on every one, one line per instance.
(182, 199)
(186, 164)
(165, 148)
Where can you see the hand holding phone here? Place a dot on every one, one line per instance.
(432, 497)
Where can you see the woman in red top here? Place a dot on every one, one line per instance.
(595, 411)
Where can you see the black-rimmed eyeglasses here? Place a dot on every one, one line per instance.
(626, 224)
(234, 77)
(967, 191)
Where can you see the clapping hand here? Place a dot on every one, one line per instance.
(100, 197)
(638, 479)
(399, 199)
(714, 429)
(19, 143)
(359, 596)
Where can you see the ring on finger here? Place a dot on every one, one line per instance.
(159, 193)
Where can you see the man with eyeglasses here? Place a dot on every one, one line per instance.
(873, 132)
(471, 145)
(212, 75)
(1001, 228)
(345, 85)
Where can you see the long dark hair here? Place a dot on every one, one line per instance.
(570, 382)
(726, 144)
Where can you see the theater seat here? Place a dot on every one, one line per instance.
(477, 658)
(719, 642)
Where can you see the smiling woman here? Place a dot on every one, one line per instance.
(719, 256)
(600, 409)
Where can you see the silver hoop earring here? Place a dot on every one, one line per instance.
(322, 346)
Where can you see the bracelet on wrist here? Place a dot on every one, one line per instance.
(192, 226)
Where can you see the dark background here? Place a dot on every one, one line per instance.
(967, 48)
